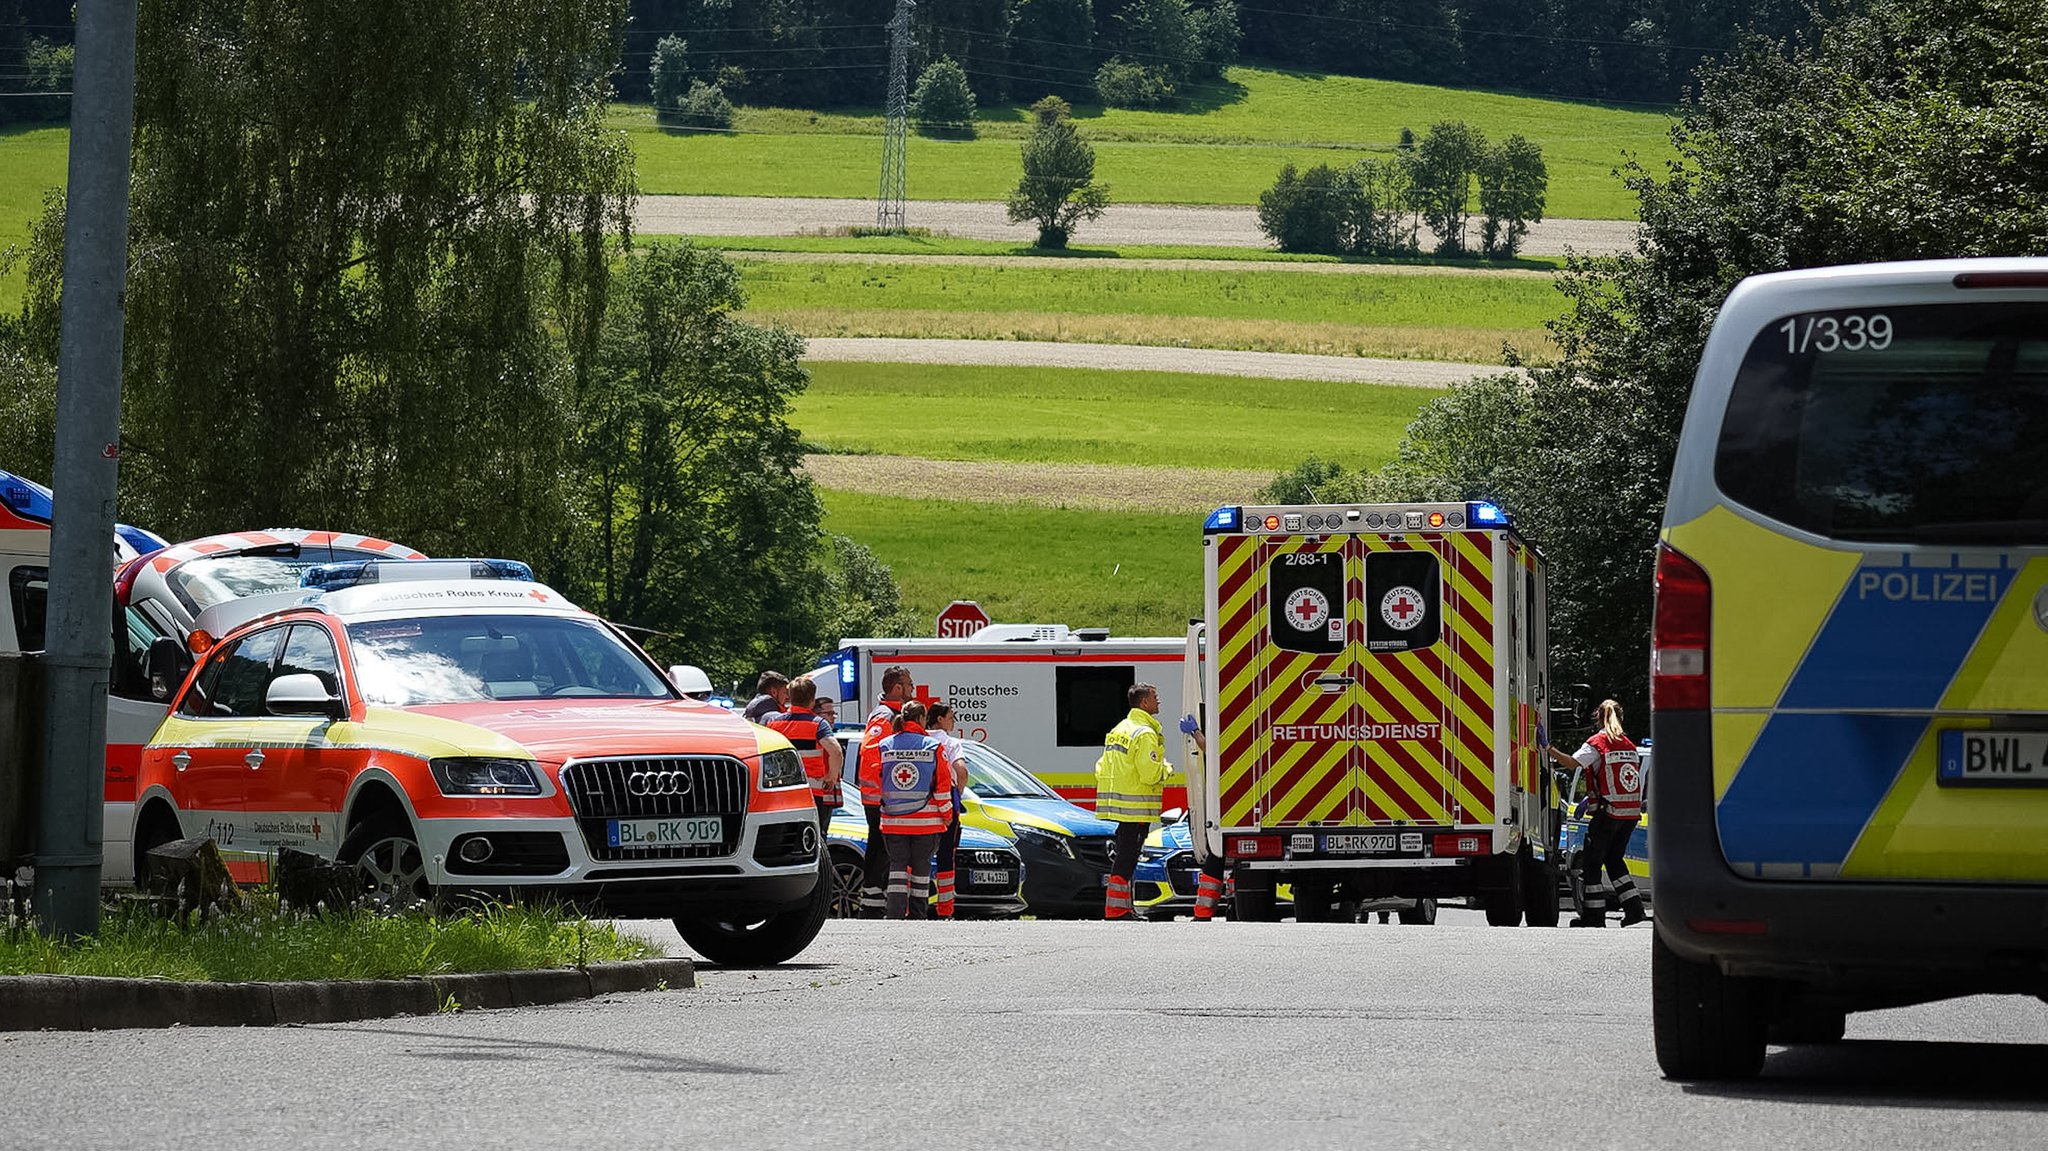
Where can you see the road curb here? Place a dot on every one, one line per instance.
(95, 1003)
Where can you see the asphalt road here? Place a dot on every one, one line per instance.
(1223, 226)
(966, 1036)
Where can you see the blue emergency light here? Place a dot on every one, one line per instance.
(1485, 515)
(355, 573)
(1223, 520)
(27, 498)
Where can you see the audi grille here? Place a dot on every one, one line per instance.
(601, 790)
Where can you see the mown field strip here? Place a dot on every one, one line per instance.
(1139, 264)
(1106, 486)
(1137, 573)
(1141, 358)
(1064, 416)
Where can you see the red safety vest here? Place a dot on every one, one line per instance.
(1617, 776)
(917, 783)
(806, 732)
(868, 771)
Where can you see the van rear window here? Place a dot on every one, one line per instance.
(1917, 424)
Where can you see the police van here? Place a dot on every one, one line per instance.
(1850, 659)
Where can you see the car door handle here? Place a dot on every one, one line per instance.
(182, 760)
(254, 759)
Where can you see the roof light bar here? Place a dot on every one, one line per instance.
(355, 573)
(1485, 515)
(1222, 520)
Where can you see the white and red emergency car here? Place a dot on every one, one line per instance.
(1372, 678)
(1045, 694)
(160, 592)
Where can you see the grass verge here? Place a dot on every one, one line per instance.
(1462, 318)
(1068, 416)
(262, 945)
(931, 245)
(1135, 573)
(31, 163)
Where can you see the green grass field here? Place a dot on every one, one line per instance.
(1225, 149)
(1136, 574)
(926, 245)
(1063, 415)
(1459, 318)
(31, 162)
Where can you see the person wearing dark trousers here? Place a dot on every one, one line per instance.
(938, 722)
(881, 723)
(1130, 776)
(917, 804)
(1614, 801)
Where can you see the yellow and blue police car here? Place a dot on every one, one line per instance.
(1850, 659)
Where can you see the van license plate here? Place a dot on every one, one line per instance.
(1993, 759)
(1362, 844)
(665, 832)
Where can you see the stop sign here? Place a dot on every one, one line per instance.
(960, 619)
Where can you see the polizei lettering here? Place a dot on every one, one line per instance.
(1363, 732)
(1928, 586)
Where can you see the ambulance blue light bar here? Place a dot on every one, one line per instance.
(1223, 520)
(1485, 515)
(355, 573)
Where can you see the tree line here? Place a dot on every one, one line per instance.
(376, 284)
(1139, 53)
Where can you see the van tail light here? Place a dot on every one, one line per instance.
(124, 580)
(1460, 843)
(1678, 639)
(1254, 847)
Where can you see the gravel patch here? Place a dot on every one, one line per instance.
(1106, 486)
(1230, 226)
(1143, 358)
(1141, 264)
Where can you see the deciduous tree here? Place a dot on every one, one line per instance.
(1058, 189)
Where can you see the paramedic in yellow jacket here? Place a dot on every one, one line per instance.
(1128, 781)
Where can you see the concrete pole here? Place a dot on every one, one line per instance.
(80, 641)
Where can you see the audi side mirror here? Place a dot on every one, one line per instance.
(303, 693)
(166, 663)
(1172, 815)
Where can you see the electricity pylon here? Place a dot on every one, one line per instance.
(896, 129)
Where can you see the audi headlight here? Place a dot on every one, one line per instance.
(484, 775)
(783, 768)
(1045, 840)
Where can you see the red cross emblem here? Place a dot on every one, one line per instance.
(924, 696)
(1401, 608)
(537, 594)
(1307, 608)
(904, 776)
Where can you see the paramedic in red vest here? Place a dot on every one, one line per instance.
(1129, 778)
(917, 805)
(896, 688)
(1614, 796)
(811, 736)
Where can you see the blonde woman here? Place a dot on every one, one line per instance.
(1614, 793)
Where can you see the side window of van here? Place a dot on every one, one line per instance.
(28, 592)
(1088, 701)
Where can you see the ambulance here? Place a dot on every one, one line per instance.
(1045, 695)
(1370, 679)
(163, 595)
(1849, 681)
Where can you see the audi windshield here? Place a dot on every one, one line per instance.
(470, 659)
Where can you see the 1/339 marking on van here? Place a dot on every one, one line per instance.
(1851, 333)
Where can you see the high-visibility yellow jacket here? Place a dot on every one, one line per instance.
(1132, 770)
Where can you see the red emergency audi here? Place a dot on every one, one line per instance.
(452, 725)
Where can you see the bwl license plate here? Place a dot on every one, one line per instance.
(665, 832)
(1355, 844)
(1993, 759)
(981, 878)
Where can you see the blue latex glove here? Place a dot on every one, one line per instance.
(1542, 736)
(1188, 725)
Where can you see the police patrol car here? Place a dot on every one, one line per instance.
(1850, 668)
(452, 725)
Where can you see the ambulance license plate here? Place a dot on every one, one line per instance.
(980, 878)
(1993, 759)
(1359, 844)
(665, 832)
